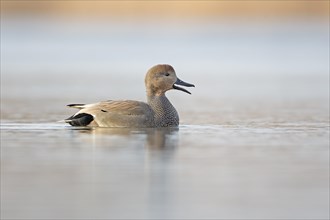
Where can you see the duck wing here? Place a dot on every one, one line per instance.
(124, 113)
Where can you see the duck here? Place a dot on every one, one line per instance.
(158, 111)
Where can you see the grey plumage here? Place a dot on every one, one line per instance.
(158, 112)
(165, 115)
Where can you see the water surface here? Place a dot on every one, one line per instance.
(253, 140)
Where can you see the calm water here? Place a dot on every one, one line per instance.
(254, 135)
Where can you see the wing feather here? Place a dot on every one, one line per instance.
(123, 113)
(125, 107)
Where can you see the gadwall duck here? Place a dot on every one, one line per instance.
(157, 112)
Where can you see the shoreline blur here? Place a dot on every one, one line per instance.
(168, 10)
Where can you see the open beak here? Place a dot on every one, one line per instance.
(182, 83)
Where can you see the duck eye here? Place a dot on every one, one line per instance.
(167, 74)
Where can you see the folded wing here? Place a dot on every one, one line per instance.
(126, 113)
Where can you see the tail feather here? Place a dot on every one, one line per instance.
(81, 119)
(78, 106)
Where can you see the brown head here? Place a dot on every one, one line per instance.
(161, 78)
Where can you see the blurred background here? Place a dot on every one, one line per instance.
(239, 54)
(253, 142)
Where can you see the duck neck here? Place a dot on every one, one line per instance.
(164, 111)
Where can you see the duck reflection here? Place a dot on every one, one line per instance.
(155, 138)
(152, 151)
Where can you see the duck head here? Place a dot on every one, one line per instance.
(161, 78)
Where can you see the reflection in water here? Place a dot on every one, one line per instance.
(156, 138)
(161, 145)
(60, 172)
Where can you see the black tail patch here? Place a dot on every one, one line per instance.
(81, 119)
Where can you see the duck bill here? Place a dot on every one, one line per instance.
(182, 83)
